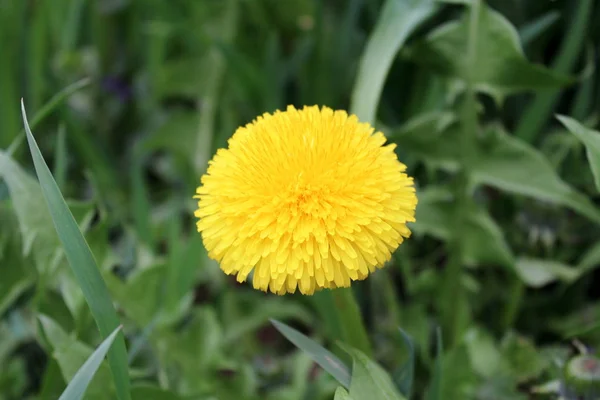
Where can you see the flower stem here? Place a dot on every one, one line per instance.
(352, 326)
(453, 299)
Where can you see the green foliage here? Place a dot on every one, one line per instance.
(324, 358)
(82, 264)
(78, 385)
(130, 100)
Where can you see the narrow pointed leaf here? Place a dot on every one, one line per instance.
(404, 376)
(434, 391)
(591, 139)
(83, 266)
(369, 379)
(327, 360)
(76, 388)
(398, 19)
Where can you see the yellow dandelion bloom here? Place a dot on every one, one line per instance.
(306, 199)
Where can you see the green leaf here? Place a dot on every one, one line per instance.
(484, 241)
(404, 376)
(341, 394)
(581, 324)
(83, 266)
(266, 310)
(512, 165)
(502, 161)
(522, 357)
(196, 350)
(354, 330)
(369, 380)
(71, 354)
(52, 381)
(535, 28)
(591, 139)
(78, 385)
(434, 391)
(483, 352)
(327, 360)
(538, 273)
(35, 223)
(501, 66)
(139, 295)
(590, 260)
(397, 20)
(428, 136)
(537, 114)
(47, 108)
(16, 271)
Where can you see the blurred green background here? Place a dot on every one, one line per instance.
(129, 99)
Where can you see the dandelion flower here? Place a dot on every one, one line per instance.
(305, 199)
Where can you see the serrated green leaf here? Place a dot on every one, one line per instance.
(591, 139)
(369, 380)
(502, 161)
(78, 385)
(398, 19)
(327, 360)
(501, 66)
(83, 266)
(512, 165)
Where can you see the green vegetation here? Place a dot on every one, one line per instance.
(106, 291)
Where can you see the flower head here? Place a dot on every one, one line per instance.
(308, 199)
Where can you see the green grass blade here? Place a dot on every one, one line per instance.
(435, 387)
(398, 19)
(47, 108)
(537, 27)
(83, 265)
(57, 99)
(538, 113)
(405, 375)
(60, 158)
(319, 354)
(76, 388)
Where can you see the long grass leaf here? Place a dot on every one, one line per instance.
(319, 354)
(82, 264)
(536, 116)
(78, 385)
(398, 19)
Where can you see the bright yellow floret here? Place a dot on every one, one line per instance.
(306, 199)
